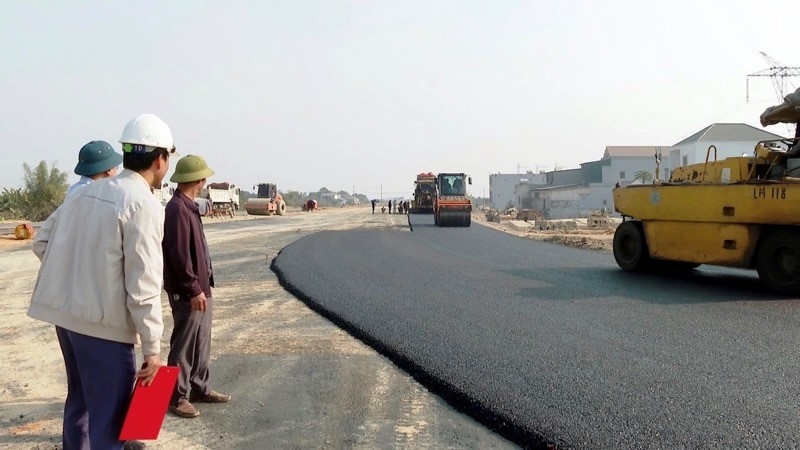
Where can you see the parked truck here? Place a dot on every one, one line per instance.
(224, 198)
(164, 194)
(268, 201)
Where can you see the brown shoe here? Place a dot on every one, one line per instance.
(211, 397)
(184, 409)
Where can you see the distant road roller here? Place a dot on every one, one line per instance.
(451, 207)
(741, 212)
(268, 201)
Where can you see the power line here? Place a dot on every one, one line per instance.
(778, 73)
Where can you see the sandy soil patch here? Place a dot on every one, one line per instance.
(581, 238)
(297, 380)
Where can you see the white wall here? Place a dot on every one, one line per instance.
(502, 186)
(564, 203)
(601, 195)
(612, 174)
(724, 149)
(695, 152)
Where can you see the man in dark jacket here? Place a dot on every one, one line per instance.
(188, 280)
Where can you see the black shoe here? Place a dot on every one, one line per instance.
(134, 445)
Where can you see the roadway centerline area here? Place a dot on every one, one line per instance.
(555, 345)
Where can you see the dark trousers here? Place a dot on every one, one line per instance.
(100, 378)
(190, 347)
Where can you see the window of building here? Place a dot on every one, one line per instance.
(685, 160)
(605, 202)
(622, 174)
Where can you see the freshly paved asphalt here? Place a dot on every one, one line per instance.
(554, 345)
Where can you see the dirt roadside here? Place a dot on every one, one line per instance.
(297, 380)
(599, 239)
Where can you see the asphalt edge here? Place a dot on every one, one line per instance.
(461, 401)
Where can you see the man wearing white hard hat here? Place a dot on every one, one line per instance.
(100, 285)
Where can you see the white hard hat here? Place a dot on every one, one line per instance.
(147, 130)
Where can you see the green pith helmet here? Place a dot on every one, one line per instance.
(191, 168)
(96, 157)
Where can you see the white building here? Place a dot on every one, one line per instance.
(575, 192)
(502, 187)
(164, 193)
(620, 164)
(560, 195)
(729, 139)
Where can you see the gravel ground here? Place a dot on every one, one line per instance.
(297, 380)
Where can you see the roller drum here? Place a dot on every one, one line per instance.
(259, 206)
(454, 218)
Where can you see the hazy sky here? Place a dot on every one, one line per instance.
(366, 94)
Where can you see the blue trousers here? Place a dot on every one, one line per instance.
(100, 378)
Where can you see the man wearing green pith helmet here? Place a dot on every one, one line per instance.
(96, 160)
(188, 279)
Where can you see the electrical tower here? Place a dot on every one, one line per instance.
(779, 74)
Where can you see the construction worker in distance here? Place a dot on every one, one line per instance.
(96, 160)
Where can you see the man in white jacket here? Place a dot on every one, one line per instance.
(100, 285)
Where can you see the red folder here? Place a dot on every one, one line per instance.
(149, 405)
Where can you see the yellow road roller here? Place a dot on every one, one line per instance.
(738, 212)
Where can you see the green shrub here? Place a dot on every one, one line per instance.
(11, 203)
(45, 188)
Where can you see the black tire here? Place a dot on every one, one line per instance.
(281, 209)
(630, 247)
(778, 262)
(468, 221)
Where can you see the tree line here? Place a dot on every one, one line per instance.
(45, 187)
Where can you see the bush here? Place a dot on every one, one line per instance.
(11, 203)
(45, 188)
